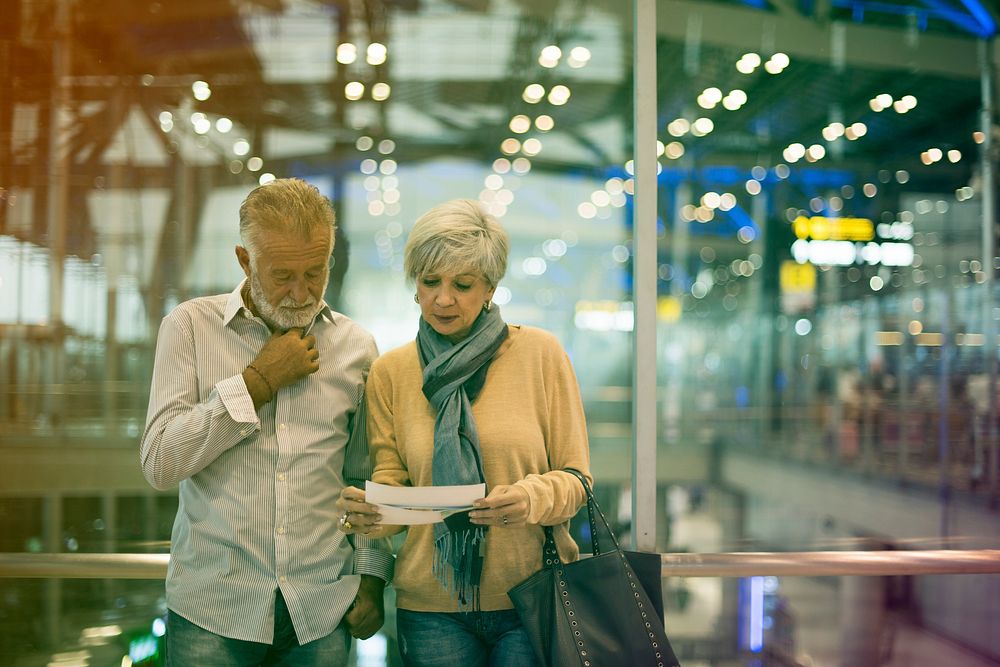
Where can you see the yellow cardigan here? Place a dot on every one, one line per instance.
(531, 425)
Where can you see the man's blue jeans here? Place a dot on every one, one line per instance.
(468, 639)
(189, 645)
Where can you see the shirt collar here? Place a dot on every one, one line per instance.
(235, 305)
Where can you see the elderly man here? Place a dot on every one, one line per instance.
(256, 411)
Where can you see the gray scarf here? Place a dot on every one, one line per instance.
(453, 376)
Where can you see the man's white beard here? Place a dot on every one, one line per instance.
(281, 316)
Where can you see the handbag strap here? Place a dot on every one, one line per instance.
(592, 509)
(581, 636)
(549, 552)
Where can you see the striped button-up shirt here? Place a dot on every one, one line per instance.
(257, 488)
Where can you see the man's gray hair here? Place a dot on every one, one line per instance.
(287, 206)
(457, 236)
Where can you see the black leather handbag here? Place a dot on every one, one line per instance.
(603, 610)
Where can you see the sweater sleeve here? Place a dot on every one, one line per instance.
(556, 496)
(388, 467)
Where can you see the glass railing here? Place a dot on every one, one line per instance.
(733, 564)
(747, 609)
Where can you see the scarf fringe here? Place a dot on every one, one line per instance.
(455, 564)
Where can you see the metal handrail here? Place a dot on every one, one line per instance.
(738, 564)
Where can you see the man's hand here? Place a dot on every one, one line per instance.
(367, 614)
(287, 358)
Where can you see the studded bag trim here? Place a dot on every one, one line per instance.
(552, 561)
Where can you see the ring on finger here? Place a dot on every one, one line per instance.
(505, 519)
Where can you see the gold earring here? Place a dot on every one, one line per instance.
(486, 306)
(416, 299)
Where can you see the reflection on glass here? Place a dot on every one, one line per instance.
(826, 306)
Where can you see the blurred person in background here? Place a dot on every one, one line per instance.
(472, 400)
(256, 411)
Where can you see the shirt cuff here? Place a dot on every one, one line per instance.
(236, 398)
(373, 557)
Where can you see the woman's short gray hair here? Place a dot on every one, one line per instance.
(457, 236)
(285, 205)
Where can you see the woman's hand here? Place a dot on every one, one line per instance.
(359, 518)
(506, 505)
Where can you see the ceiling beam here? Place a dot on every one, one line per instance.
(874, 47)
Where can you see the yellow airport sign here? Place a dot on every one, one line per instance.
(821, 228)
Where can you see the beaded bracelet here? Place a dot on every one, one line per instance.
(264, 378)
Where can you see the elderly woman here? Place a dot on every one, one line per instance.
(472, 400)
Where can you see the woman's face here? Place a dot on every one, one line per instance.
(450, 303)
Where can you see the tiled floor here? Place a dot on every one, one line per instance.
(816, 605)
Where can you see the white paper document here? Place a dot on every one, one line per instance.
(400, 516)
(415, 505)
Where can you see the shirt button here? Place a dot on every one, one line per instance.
(281, 477)
(282, 578)
(281, 530)
(245, 432)
(283, 426)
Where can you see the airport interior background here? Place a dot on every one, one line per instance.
(826, 307)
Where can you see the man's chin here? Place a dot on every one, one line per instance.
(298, 321)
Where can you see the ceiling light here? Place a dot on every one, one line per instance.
(376, 53)
(201, 91)
(347, 53)
(550, 56)
(678, 127)
(354, 90)
(531, 146)
(510, 146)
(578, 56)
(559, 95)
(521, 165)
(520, 124)
(713, 95)
(533, 93)
(702, 126)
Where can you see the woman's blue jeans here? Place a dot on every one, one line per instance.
(465, 639)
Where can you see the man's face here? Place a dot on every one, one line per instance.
(288, 277)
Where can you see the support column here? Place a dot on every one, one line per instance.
(58, 194)
(673, 390)
(150, 519)
(759, 326)
(52, 519)
(118, 237)
(862, 620)
(109, 514)
(644, 246)
(986, 159)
